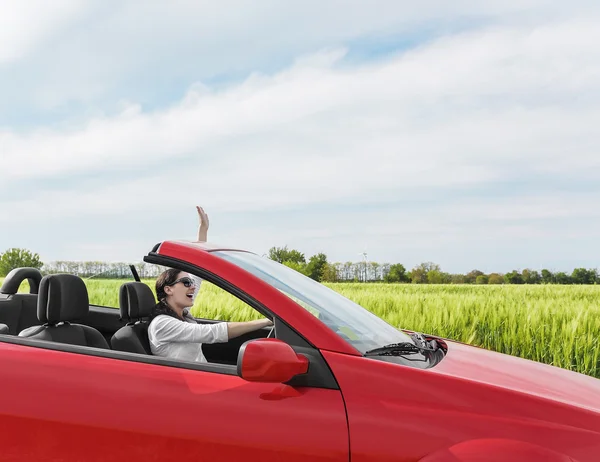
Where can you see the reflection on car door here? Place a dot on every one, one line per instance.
(71, 406)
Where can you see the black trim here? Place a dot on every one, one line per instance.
(136, 276)
(318, 375)
(242, 350)
(119, 355)
(14, 278)
(290, 336)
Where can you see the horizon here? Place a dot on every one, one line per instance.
(408, 269)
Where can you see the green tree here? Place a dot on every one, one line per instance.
(18, 258)
(548, 277)
(438, 277)
(397, 273)
(330, 273)
(316, 266)
(283, 254)
(562, 278)
(481, 279)
(584, 276)
(471, 277)
(457, 279)
(434, 277)
(531, 277)
(495, 278)
(419, 273)
(514, 277)
(300, 267)
(418, 276)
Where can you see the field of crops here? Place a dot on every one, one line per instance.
(558, 325)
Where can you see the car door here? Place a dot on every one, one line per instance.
(73, 405)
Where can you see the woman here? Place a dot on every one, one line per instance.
(173, 331)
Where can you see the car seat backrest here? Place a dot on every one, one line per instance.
(19, 310)
(63, 298)
(136, 302)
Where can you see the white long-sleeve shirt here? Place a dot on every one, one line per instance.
(176, 339)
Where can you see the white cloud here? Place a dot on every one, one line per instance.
(116, 46)
(472, 108)
(24, 25)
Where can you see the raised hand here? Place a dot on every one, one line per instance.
(203, 224)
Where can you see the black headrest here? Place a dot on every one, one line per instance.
(62, 297)
(14, 279)
(136, 300)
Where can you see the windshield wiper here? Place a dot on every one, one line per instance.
(394, 349)
(405, 348)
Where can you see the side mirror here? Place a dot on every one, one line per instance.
(269, 360)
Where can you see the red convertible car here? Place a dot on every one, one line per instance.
(328, 382)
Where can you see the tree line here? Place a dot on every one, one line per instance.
(19, 258)
(316, 267)
(320, 269)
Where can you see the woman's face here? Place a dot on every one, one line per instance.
(181, 293)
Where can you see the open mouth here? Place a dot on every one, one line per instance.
(190, 296)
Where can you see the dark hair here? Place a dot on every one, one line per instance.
(166, 278)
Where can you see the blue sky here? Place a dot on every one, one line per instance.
(464, 133)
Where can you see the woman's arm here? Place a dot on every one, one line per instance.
(202, 237)
(165, 329)
(203, 225)
(235, 329)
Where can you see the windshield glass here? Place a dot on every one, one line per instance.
(346, 318)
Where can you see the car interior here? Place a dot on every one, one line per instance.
(57, 309)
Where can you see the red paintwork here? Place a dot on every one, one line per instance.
(271, 360)
(424, 411)
(475, 405)
(70, 407)
(496, 450)
(531, 377)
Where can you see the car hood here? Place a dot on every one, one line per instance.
(522, 375)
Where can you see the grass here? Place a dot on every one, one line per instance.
(557, 325)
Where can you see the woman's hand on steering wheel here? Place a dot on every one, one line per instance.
(272, 330)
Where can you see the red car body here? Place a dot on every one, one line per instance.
(474, 405)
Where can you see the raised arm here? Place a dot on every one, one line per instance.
(203, 224)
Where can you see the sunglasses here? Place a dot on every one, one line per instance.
(185, 281)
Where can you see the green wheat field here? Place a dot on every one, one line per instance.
(553, 324)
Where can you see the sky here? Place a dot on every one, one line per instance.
(464, 133)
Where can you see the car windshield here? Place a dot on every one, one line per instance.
(355, 324)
